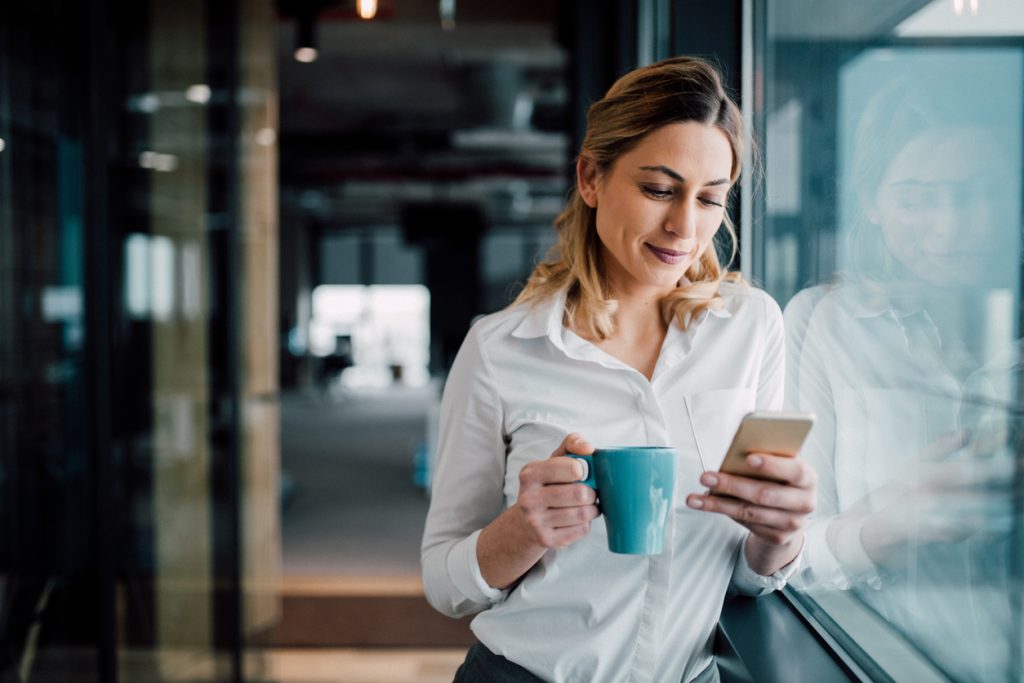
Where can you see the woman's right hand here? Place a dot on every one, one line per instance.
(553, 510)
(555, 507)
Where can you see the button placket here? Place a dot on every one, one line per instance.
(659, 568)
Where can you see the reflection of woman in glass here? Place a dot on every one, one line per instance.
(908, 515)
(632, 334)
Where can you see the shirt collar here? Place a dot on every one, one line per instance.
(545, 319)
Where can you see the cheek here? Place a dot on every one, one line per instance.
(902, 227)
(901, 238)
(623, 223)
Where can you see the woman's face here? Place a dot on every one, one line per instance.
(659, 205)
(938, 203)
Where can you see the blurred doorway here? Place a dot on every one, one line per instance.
(423, 160)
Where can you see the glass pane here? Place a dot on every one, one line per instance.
(893, 137)
(159, 204)
(119, 380)
(49, 628)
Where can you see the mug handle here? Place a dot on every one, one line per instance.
(588, 461)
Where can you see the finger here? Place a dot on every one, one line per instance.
(748, 514)
(793, 471)
(979, 474)
(558, 518)
(764, 493)
(566, 536)
(944, 444)
(573, 443)
(566, 495)
(554, 470)
(992, 440)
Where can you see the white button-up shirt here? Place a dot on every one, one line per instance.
(520, 383)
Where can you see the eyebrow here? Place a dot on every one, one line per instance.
(672, 174)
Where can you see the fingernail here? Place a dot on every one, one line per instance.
(709, 480)
(695, 502)
(755, 461)
(581, 467)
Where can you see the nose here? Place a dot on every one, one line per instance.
(682, 218)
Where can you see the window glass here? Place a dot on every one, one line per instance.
(893, 142)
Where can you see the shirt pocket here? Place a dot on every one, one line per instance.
(714, 417)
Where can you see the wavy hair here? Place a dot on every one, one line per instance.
(675, 90)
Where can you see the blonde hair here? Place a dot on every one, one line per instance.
(671, 91)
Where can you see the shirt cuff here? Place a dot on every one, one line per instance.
(747, 581)
(835, 555)
(464, 570)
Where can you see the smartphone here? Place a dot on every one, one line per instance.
(766, 432)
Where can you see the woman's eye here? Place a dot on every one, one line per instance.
(657, 192)
(711, 201)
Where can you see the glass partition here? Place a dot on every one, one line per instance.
(139, 538)
(893, 137)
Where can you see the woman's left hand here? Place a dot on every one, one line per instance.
(774, 511)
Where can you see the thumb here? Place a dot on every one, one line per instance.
(574, 443)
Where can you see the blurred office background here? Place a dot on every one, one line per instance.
(241, 242)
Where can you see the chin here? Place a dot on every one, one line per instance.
(668, 282)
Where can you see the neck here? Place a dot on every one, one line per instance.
(639, 312)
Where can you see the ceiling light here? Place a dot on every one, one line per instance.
(158, 162)
(266, 137)
(367, 9)
(305, 39)
(3, 145)
(306, 54)
(199, 93)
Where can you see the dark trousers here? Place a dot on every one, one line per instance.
(483, 666)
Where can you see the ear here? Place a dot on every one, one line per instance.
(869, 207)
(871, 211)
(587, 181)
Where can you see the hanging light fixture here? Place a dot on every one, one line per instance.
(367, 9)
(305, 38)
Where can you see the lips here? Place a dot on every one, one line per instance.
(668, 256)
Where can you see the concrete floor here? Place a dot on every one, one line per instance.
(354, 509)
(363, 666)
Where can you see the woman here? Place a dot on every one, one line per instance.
(633, 334)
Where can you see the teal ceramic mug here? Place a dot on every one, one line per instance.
(634, 487)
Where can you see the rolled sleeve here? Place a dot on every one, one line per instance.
(842, 567)
(464, 570)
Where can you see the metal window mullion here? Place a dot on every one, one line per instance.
(223, 122)
(653, 30)
(99, 302)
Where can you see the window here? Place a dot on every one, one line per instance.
(889, 228)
